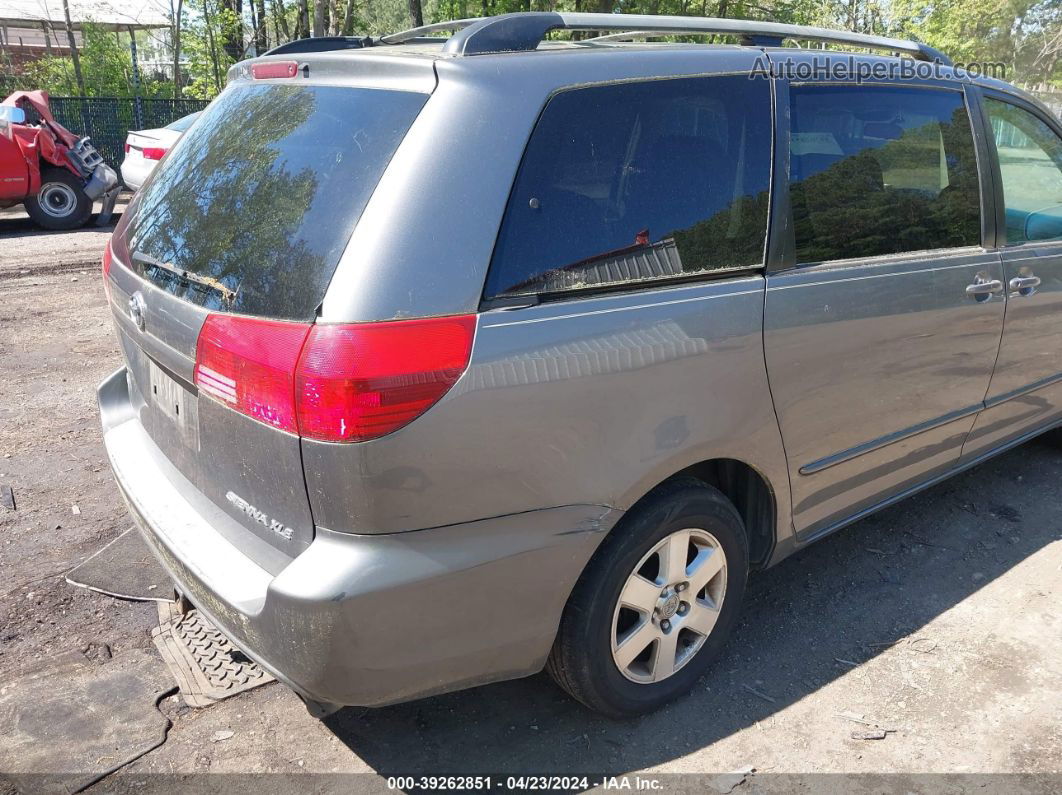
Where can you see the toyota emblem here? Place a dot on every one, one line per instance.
(138, 310)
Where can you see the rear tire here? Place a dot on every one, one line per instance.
(627, 597)
(61, 203)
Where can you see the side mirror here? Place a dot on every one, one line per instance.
(1045, 224)
(9, 114)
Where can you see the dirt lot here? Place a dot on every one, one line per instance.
(939, 619)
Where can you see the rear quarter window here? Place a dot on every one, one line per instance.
(638, 182)
(258, 200)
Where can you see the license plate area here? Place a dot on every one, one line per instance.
(174, 402)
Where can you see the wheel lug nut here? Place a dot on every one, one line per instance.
(665, 625)
(681, 587)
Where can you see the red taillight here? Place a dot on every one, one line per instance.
(107, 256)
(335, 383)
(249, 365)
(127, 147)
(153, 152)
(264, 71)
(358, 382)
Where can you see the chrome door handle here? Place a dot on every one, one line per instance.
(1021, 283)
(985, 288)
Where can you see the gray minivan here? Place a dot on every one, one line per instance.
(450, 359)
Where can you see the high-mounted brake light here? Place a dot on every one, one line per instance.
(265, 71)
(153, 153)
(335, 383)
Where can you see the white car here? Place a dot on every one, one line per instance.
(145, 148)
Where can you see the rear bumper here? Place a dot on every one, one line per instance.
(135, 174)
(364, 620)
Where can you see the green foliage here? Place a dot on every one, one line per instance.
(10, 79)
(201, 43)
(1024, 35)
(106, 64)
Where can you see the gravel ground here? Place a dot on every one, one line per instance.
(937, 619)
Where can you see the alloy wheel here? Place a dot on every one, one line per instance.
(668, 606)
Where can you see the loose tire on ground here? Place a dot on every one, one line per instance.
(61, 202)
(590, 645)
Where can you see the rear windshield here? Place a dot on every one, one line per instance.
(252, 209)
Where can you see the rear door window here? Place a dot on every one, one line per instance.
(258, 200)
(878, 170)
(1030, 163)
(638, 182)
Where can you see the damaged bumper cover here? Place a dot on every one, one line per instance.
(363, 620)
(103, 180)
(103, 184)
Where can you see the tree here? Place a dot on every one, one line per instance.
(261, 38)
(212, 42)
(230, 17)
(416, 13)
(281, 30)
(304, 20)
(1024, 35)
(74, 55)
(106, 66)
(348, 20)
(319, 7)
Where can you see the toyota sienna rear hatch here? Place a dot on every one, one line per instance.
(216, 272)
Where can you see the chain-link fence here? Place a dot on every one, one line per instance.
(107, 120)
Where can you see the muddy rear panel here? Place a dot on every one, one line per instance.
(252, 471)
(245, 219)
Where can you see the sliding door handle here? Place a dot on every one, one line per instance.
(983, 289)
(1025, 285)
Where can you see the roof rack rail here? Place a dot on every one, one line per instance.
(417, 33)
(524, 31)
(320, 44)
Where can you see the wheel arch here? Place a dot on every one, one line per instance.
(750, 491)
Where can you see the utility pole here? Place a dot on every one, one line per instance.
(177, 49)
(138, 104)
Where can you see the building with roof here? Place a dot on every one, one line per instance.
(33, 29)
